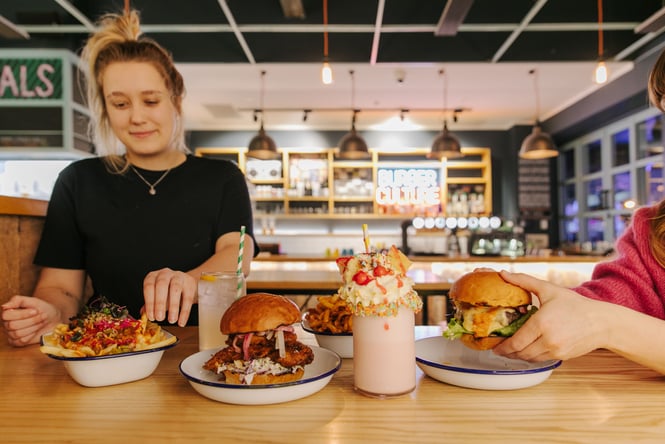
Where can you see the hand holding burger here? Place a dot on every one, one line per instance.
(262, 345)
(487, 309)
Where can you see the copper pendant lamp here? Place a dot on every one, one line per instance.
(262, 146)
(538, 144)
(352, 146)
(445, 145)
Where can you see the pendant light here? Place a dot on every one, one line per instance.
(326, 70)
(262, 146)
(600, 74)
(352, 146)
(445, 146)
(538, 144)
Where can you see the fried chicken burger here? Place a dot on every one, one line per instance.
(487, 309)
(262, 345)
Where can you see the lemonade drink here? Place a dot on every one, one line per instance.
(217, 290)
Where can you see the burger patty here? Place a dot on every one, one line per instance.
(483, 320)
(296, 352)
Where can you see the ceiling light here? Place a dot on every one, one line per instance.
(445, 145)
(538, 144)
(352, 146)
(600, 74)
(326, 70)
(326, 73)
(262, 146)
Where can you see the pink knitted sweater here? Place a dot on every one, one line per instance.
(632, 278)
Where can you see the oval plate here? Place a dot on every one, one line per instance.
(454, 363)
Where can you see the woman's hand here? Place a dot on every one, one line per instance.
(26, 319)
(169, 291)
(566, 325)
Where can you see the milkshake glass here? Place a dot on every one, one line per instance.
(383, 303)
(384, 354)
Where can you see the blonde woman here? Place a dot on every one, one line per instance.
(143, 219)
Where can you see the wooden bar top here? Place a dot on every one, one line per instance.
(21, 206)
(265, 257)
(596, 398)
(326, 281)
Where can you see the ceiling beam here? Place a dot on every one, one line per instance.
(377, 32)
(653, 23)
(292, 9)
(9, 30)
(523, 25)
(78, 15)
(452, 17)
(236, 31)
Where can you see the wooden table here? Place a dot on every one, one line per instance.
(596, 398)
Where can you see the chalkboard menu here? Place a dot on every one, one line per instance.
(535, 199)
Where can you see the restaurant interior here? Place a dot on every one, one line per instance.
(468, 133)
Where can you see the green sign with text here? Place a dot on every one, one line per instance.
(30, 79)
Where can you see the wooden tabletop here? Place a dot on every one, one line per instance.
(596, 398)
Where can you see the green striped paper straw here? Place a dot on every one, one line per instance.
(240, 254)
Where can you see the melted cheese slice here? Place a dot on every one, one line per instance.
(484, 320)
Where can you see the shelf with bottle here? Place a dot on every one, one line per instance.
(307, 176)
(313, 183)
(351, 182)
(466, 200)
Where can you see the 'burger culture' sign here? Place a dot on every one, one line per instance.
(416, 186)
(30, 79)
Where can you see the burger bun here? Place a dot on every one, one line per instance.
(488, 288)
(234, 378)
(259, 312)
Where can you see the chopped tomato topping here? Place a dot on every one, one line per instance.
(380, 270)
(362, 278)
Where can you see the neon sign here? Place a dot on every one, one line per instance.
(30, 79)
(408, 186)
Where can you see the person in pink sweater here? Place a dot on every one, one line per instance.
(622, 307)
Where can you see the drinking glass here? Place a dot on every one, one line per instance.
(384, 354)
(217, 291)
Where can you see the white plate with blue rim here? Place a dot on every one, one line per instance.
(317, 375)
(454, 363)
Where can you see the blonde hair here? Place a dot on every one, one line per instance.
(119, 39)
(656, 89)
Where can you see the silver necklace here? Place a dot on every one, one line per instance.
(152, 186)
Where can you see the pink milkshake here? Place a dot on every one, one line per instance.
(383, 301)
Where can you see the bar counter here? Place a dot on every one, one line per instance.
(599, 397)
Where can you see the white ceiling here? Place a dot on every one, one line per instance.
(495, 96)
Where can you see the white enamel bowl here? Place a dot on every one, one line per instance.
(99, 371)
(340, 343)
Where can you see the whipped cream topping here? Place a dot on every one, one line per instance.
(377, 283)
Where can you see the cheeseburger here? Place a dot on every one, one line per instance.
(262, 345)
(487, 309)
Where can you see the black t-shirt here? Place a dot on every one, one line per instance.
(109, 225)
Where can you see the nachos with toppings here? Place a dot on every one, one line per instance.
(104, 328)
